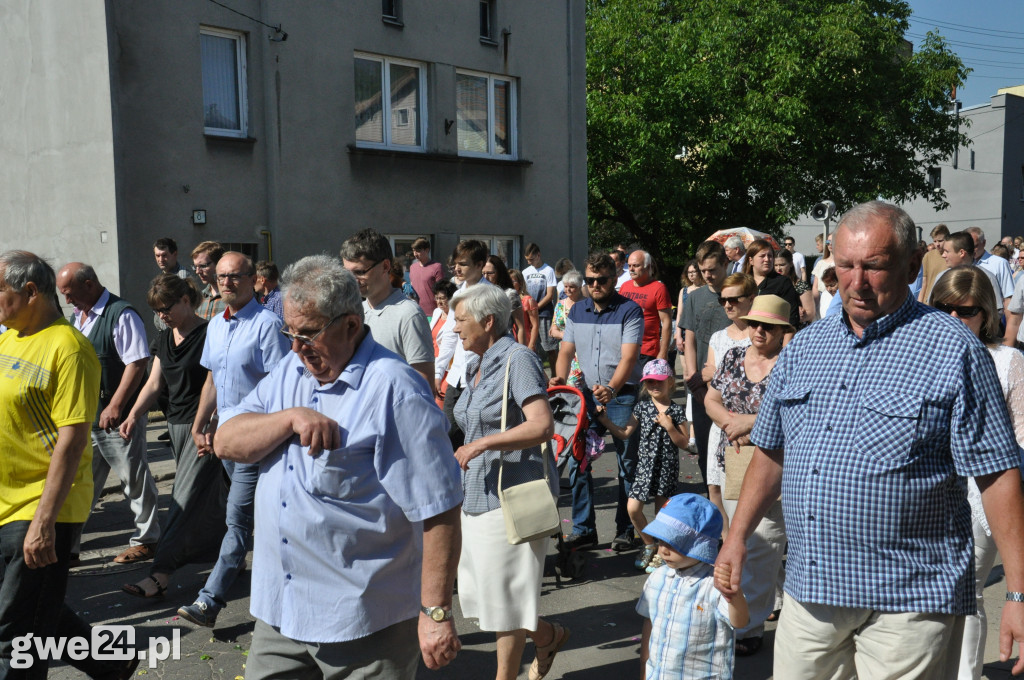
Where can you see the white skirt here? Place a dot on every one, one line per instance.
(499, 583)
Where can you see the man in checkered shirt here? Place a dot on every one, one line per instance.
(871, 423)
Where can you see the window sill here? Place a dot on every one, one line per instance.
(490, 42)
(443, 157)
(393, 21)
(214, 137)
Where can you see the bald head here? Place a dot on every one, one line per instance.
(79, 285)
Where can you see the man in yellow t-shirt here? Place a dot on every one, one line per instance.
(49, 390)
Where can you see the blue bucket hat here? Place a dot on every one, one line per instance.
(691, 525)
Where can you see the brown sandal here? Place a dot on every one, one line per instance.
(540, 666)
(139, 591)
(136, 553)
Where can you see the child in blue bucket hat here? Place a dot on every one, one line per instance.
(689, 627)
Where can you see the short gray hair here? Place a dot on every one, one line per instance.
(733, 242)
(483, 300)
(22, 268)
(86, 273)
(903, 227)
(978, 232)
(321, 280)
(647, 257)
(573, 278)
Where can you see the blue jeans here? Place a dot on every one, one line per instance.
(32, 601)
(238, 539)
(619, 411)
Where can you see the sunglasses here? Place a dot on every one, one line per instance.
(962, 311)
(763, 324)
(731, 300)
(599, 280)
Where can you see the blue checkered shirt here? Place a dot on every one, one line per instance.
(879, 433)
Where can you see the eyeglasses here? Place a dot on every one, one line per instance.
(731, 300)
(962, 311)
(197, 267)
(233, 278)
(763, 324)
(790, 243)
(307, 339)
(362, 273)
(164, 310)
(599, 280)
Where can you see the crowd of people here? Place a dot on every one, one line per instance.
(355, 421)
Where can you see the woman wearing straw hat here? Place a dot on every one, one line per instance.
(733, 400)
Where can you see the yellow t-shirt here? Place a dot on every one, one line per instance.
(47, 380)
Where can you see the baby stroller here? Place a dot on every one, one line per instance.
(570, 439)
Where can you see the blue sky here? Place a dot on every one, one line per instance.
(988, 35)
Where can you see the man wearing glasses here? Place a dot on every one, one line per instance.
(799, 262)
(204, 264)
(396, 322)
(357, 513)
(242, 344)
(604, 332)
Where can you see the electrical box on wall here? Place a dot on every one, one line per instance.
(198, 217)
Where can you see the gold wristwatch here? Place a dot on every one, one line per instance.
(438, 614)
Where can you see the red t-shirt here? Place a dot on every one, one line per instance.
(651, 297)
(422, 278)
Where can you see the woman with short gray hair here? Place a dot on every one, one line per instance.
(573, 284)
(499, 583)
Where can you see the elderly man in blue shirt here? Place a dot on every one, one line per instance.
(359, 495)
(242, 345)
(871, 423)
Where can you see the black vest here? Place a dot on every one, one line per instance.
(101, 335)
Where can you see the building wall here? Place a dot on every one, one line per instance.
(299, 176)
(57, 194)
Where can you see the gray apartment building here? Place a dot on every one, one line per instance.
(280, 127)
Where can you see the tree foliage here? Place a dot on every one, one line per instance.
(780, 103)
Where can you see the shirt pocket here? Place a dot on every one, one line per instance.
(340, 473)
(887, 427)
(794, 410)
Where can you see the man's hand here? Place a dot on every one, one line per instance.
(1011, 629)
(127, 428)
(110, 417)
(602, 394)
(315, 430)
(40, 544)
(204, 439)
(730, 561)
(439, 642)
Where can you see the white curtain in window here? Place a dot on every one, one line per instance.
(369, 108)
(220, 82)
(471, 101)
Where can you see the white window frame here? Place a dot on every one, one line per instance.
(421, 102)
(491, 241)
(243, 97)
(513, 121)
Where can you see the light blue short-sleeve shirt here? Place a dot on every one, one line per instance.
(338, 540)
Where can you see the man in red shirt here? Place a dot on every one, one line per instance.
(652, 296)
(423, 274)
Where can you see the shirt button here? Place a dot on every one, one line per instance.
(314, 400)
(842, 387)
(285, 540)
(284, 504)
(292, 467)
(813, 564)
(814, 471)
(810, 517)
(828, 427)
(288, 576)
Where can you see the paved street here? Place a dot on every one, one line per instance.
(598, 609)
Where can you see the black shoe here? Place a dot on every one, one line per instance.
(74, 561)
(165, 437)
(624, 541)
(577, 541)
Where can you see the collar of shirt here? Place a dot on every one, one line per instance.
(249, 310)
(613, 303)
(395, 297)
(883, 325)
(93, 313)
(494, 358)
(352, 374)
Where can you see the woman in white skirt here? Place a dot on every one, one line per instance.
(499, 583)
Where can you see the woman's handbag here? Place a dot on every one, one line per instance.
(736, 462)
(529, 509)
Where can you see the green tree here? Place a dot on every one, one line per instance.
(780, 103)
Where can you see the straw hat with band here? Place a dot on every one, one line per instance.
(770, 309)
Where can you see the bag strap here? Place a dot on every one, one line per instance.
(504, 421)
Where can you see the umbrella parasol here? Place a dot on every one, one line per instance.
(746, 233)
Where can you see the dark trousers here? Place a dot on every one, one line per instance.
(701, 431)
(455, 433)
(32, 601)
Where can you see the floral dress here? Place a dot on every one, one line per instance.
(575, 374)
(739, 395)
(657, 465)
(721, 343)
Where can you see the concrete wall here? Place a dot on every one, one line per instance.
(297, 176)
(57, 195)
